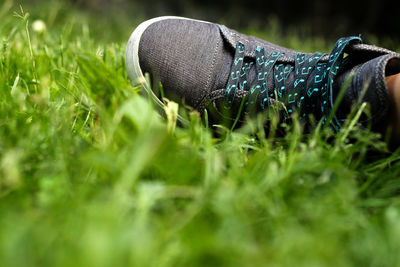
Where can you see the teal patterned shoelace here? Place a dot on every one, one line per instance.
(311, 90)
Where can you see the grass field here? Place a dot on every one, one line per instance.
(92, 175)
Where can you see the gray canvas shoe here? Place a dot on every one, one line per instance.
(208, 65)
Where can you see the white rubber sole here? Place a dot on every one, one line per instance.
(135, 73)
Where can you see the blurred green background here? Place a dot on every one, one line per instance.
(329, 17)
(90, 175)
(326, 19)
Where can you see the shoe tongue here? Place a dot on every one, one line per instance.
(368, 83)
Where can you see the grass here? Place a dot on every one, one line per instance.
(91, 175)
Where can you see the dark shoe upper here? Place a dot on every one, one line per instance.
(185, 55)
(195, 61)
(368, 71)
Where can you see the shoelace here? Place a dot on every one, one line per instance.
(306, 94)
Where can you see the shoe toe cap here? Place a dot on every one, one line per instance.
(182, 54)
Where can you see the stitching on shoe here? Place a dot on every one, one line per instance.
(238, 36)
(382, 106)
(212, 65)
(200, 101)
(381, 96)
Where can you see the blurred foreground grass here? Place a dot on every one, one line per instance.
(91, 175)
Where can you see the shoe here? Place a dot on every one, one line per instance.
(209, 66)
